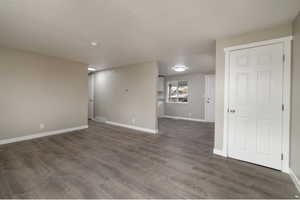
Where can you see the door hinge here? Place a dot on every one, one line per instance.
(283, 58)
(282, 107)
(282, 156)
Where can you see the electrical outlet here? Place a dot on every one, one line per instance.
(42, 126)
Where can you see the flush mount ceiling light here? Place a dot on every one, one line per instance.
(91, 68)
(94, 44)
(180, 68)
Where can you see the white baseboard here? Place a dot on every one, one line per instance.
(184, 118)
(295, 179)
(219, 152)
(148, 130)
(39, 135)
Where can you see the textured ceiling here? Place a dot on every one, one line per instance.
(132, 31)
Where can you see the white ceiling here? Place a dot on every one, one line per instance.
(132, 31)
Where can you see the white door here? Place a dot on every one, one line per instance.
(210, 98)
(91, 97)
(255, 105)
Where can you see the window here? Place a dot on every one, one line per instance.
(178, 92)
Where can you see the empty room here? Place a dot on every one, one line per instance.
(150, 99)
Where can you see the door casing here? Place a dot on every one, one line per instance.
(209, 113)
(91, 97)
(286, 41)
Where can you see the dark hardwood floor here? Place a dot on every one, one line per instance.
(111, 162)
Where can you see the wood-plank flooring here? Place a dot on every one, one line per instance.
(105, 161)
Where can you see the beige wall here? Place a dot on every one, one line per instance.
(195, 107)
(260, 35)
(127, 93)
(38, 89)
(295, 125)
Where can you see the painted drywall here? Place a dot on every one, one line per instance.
(295, 106)
(38, 89)
(260, 35)
(127, 95)
(195, 107)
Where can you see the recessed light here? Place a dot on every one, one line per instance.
(94, 44)
(180, 68)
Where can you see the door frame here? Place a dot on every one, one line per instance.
(286, 41)
(207, 76)
(92, 77)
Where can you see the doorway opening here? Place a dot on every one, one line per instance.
(91, 97)
(186, 99)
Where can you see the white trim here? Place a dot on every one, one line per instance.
(184, 118)
(226, 102)
(103, 120)
(206, 77)
(220, 153)
(286, 93)
(286, 102)
(260, 43)
(206, 109)
(295, 179)
(147, 130)
(39, 135)
(178, 102)
(92, 77)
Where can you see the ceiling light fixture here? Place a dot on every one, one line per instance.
(91, 69)
(180, 68)
(94, 44)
